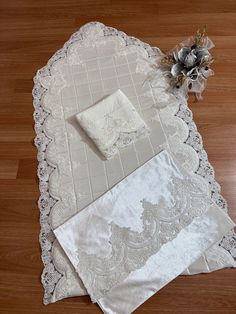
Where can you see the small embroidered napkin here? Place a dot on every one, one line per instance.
(141, 234)
(112, 123)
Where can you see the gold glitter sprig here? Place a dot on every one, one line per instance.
(179, 80)
(168, 60)
(199, 37)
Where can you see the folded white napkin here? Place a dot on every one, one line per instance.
(141, 234)
(112, 123)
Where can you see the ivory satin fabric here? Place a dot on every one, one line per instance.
(112, 123)
(141, 234)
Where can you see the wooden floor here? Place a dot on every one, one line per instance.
(31, 31)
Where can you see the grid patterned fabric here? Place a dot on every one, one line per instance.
(101, 72)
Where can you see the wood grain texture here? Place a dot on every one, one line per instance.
(31, 31)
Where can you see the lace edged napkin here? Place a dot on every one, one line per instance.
(141, 234)
(112, 123)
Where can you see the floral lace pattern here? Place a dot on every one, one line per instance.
(51, 276)
(124, 139)
(131, 249)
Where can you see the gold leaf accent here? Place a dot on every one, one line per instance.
(168, 60)
(206, 62)
(180, 80)
(199, 37)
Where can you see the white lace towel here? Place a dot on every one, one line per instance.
(112, 123)
(141, 234)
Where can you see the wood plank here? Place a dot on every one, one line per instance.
(8, 169)
(31, 31)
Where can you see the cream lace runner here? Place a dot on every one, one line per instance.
(64, 189)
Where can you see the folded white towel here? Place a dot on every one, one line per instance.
(112, 123)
